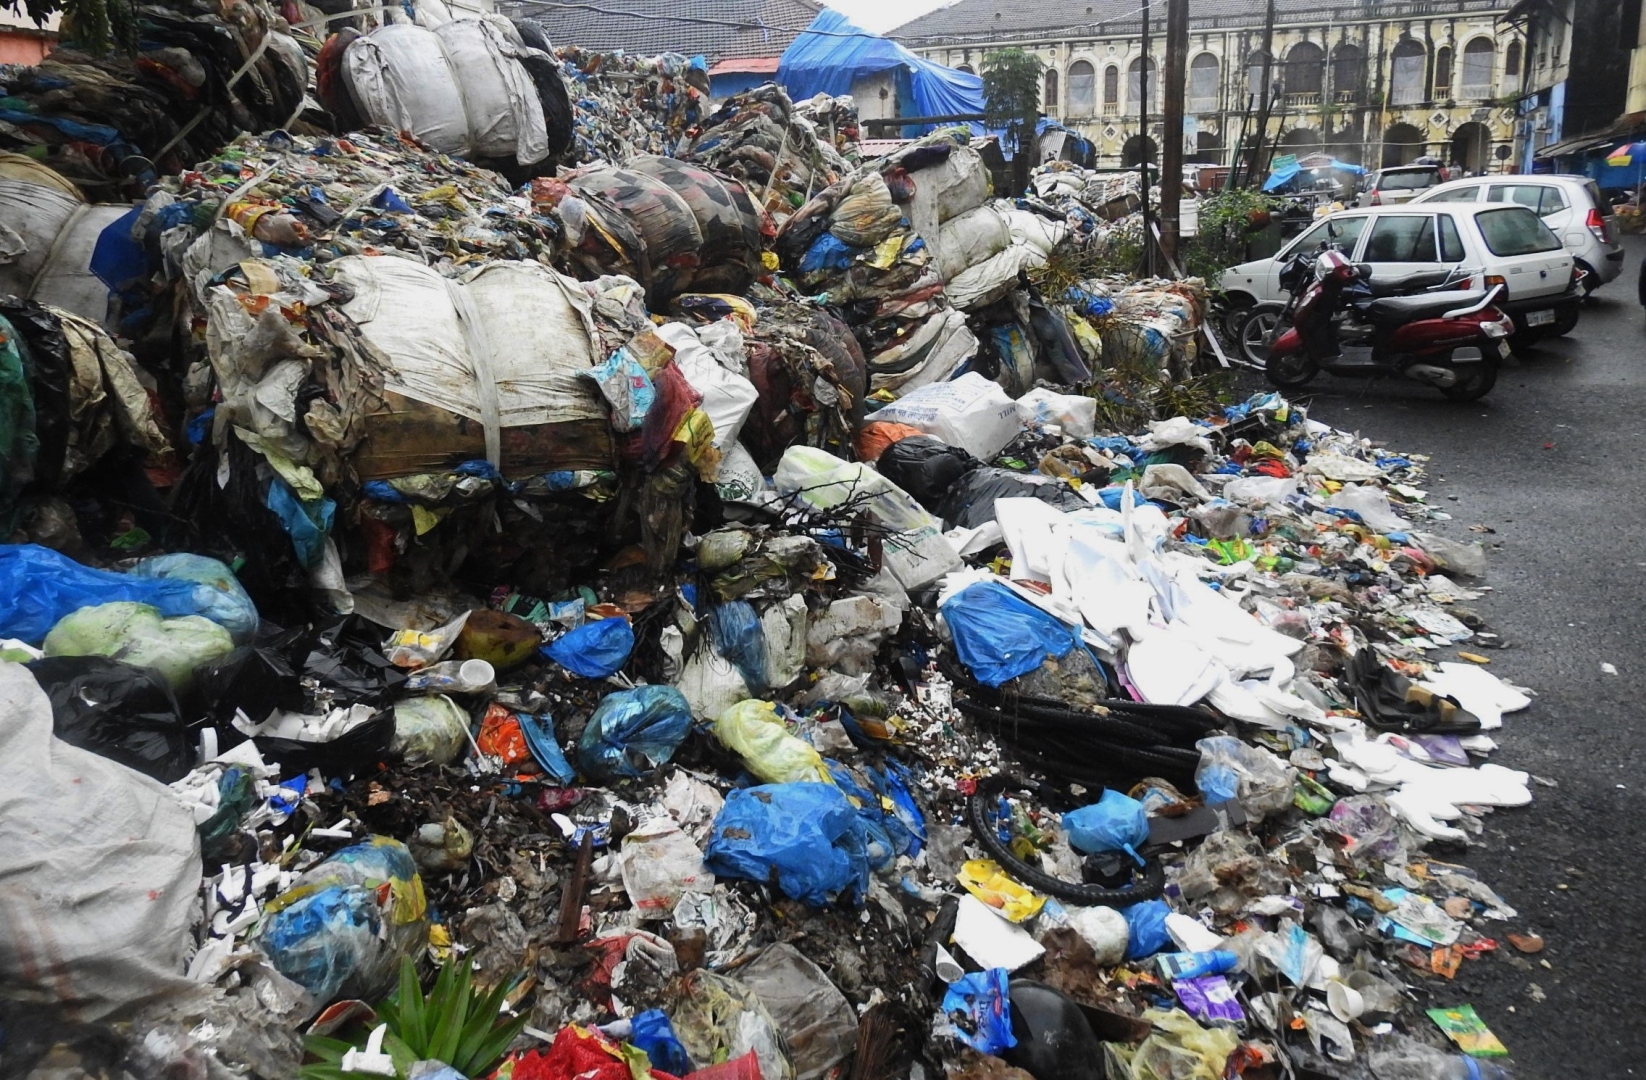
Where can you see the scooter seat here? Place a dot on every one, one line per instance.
(1403, 309)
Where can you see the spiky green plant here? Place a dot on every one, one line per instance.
(453, 1023)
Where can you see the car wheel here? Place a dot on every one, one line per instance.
(1565, 320)
(1235, 310)
(1256, 330)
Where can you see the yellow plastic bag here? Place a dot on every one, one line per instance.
(754, 732)
(984, 879)
(1179, 1049)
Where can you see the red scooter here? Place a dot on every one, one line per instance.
(1337, 322)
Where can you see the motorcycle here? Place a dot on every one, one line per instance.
(1338, 320)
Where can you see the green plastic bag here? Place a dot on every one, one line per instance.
(137, 634)
(429, 730)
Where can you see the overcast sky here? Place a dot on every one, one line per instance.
(882, 15)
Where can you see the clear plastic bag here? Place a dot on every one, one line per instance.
(136, 634)
(429, 730)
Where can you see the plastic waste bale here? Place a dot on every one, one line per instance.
(429, 730)
(1116, 822)
(124, 713)
(1230, 768)
(806, 837)
(138, 635)
(343, 927)
(754, 731)
(999, 635)
(39, 587)
(594, 650)
(221, 597)
(93, 914)
(720, 1019)
(633, 732)
(970, 412)
(818, 1024)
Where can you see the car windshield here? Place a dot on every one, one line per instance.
(1515, 230)
(1407, 181)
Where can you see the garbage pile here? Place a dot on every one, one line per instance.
(111, 125)
(685, 617)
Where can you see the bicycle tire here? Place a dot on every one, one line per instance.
(980, 814)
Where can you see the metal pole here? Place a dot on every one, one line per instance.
(1171, 150)
(1263, 100)
(1143, 145)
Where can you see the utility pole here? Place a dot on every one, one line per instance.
(1264, 98)
(1143, 146)
(1171, 151)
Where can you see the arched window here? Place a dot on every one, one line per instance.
(1406, 75)
(1134, 86)
(1511, 60)
(1081, 78)
(1478, 58)
(1254, 74)
(1111, 85)
(1048, 98)
(1305, 69)
(967, 68)
(1203, 83)
(1348, 72)
(1443, 72)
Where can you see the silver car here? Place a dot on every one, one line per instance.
(1399, 184)
(1572, 207)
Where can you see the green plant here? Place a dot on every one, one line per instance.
(455, 1023)
(1011, 95)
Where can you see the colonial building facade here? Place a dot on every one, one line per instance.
(1375, 82)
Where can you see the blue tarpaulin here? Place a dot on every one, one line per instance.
(1281, 177)
(832, 54)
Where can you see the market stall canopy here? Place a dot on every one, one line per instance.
(1286, 171)
(832, 54)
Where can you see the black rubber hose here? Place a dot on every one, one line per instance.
(982, 812)
(1104, 727)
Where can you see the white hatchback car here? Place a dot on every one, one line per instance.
(1499, 243)
(1571, 206)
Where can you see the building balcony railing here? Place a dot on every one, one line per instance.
(1302, 101)
(1111, 108)
(1346, 97)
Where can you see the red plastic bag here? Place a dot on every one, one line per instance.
(746, 1067)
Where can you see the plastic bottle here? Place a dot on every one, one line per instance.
(1403, 1058)
(1195, 965)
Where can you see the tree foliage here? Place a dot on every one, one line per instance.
(93, 25)
(1011, 96)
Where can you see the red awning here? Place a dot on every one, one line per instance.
(749, 65)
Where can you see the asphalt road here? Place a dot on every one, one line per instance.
(1554, 461)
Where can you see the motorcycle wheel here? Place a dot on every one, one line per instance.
(1289, 372)
(1254, 334)
(1474, 384)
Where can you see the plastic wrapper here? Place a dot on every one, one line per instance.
(819, 1025)
(979, 1010)
(1116, 822)
(999, 636)
(969, 502)
(1232, 769)
(807, 838)
(754, 731)
(1074, 413)
(502, 736)
(594, 650)
(651, 1031)
(429, 730)
(124, 713)
(984, 879)
(39, 587)
(633, 732)
(343, 927)
(136, 634)
(661, 864)
(1179, 1049)
(413, 649)
(1146, 928)
(720, 1019)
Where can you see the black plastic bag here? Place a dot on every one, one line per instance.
(117, 710)
(1054, 1038)
(346, 660)
(253, 679)
(352, 752)
(925, 467)
(970, 500)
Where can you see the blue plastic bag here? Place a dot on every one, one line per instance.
(805, 837)
(545, 746)
(307, 523)
(1146, 928)
(593, 650)
(38, 587)
(221, 596)
(652, 1032)
(1115, 822)
(999, 635)
(735, 630)
(632, 732)
(828, 252)
(983, 1001)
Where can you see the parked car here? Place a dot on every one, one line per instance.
(1501, 243)
(1390, 187)
(1572, 206)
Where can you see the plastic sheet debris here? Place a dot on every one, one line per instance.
(818, 1024)
(593, 650)
(124, 713)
